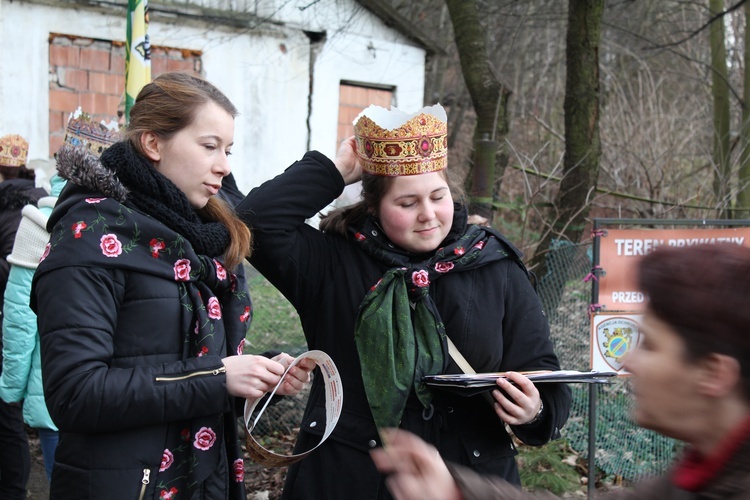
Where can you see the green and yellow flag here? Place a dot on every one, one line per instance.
(138, 53)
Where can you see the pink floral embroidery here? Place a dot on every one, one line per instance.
(214, 308)
(166, 460)
(110, 245)
(197, 326)
(373, 287)
(46, 252)
(420, 278)
(204, 438)
(202, 352)
(182, 270)
(94, 200)
(168, 494)
(459, 251)
(479, 245)
(156, 245)
(360, 237)
(185, 434)
(241, 348)
(239, 470)
(77, 228)
(443, 267)
(245, 314)
(221, 271)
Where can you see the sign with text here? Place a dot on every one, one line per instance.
(620, 249)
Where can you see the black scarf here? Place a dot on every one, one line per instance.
(152, 193)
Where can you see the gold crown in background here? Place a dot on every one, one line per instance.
(418, 146)
(13, 150)
(81, 131)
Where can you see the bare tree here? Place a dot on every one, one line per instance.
(489, 97)
(582, 143)
(720, 94)
(743, 178)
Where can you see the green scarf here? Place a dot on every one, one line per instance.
(399, 334)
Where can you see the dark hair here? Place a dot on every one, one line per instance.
(374, 188)
(17, 172)
(167, 105)
(702, 292)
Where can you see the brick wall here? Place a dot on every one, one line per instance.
(91, 73)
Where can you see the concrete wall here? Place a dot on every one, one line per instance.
(266, 71)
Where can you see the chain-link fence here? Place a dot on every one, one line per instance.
(622, 448)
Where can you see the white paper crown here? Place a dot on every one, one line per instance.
(392, 142)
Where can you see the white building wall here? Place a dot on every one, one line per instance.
(265, 72)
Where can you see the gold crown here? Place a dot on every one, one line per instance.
(13, 150)
(94, 137)
(413, 144)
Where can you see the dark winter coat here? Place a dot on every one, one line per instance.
(492, 314)
(14, 195)
(120, 381)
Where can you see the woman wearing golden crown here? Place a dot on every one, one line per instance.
(390, 288)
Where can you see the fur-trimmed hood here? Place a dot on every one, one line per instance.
(86, 170)
(85, 175)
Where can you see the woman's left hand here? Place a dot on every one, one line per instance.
(297, 377)
(516, 403)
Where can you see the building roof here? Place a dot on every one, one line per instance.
(393, 19)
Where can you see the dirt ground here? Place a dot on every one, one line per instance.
(37, 487)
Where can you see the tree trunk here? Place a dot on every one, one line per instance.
(434, 85)
(720, 91)
(489, 98)
(743, 186)
(582, 143)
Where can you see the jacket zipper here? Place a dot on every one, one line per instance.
(145, 481)
(217, 371)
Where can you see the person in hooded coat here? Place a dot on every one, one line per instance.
(21, 381)
(17, 189)
(142, 324)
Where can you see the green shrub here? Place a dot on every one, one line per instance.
(275, 322)
(551, 467)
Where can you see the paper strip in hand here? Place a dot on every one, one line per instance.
(334, 403)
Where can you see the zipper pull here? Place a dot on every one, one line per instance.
(146, 476)
(223, 369)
